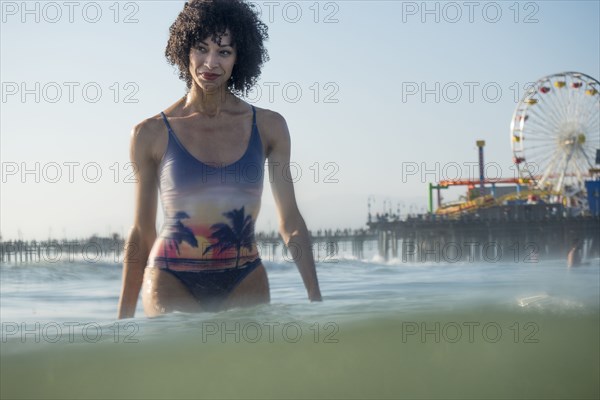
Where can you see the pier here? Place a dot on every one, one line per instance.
(518, 234)
(510, 234)
(326, 246)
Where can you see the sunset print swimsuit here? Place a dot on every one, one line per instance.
(207, 240)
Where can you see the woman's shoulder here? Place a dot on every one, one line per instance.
(149, 134)
(271, 123)
(153, 128)
(273, 128)
(149, 129)
(269, 116)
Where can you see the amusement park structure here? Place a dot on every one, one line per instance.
(551, 206)
(555, 137)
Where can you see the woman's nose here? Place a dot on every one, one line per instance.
(211, 60)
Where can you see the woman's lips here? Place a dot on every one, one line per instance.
(209, 77)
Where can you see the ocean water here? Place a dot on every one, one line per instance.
(384, 330)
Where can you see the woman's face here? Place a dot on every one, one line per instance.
(211, 64)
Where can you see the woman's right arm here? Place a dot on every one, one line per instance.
(143, 232)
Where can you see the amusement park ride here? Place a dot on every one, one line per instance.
(555, 136)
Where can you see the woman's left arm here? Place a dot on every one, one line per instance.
(291, 224)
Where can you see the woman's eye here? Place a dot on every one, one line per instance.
(222, 52)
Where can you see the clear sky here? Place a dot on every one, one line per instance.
(371, 90)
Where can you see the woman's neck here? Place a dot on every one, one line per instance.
(210, 104)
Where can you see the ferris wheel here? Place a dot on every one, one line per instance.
(555, 132)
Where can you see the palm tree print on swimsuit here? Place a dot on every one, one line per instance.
(178, 233)
(239, 234)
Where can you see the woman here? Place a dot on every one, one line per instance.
(206, 153)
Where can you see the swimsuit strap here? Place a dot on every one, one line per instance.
(253, 116)
(166, 121)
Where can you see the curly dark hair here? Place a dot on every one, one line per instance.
(200, 19)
